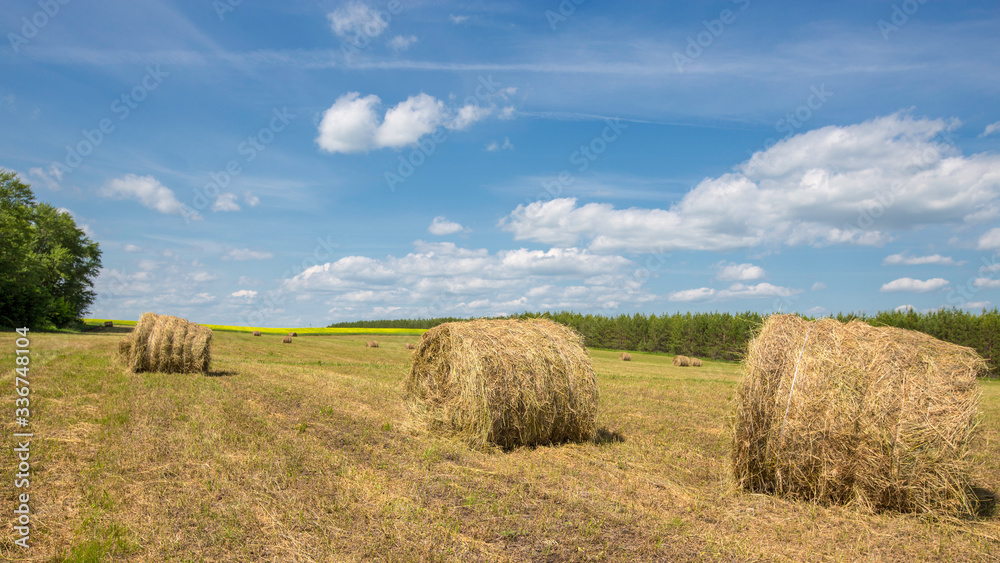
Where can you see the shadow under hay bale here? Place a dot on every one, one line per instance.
(255, 333)
(875, 417)
(371, 344)
(626, 357)
(682, 361)
(166, 344)
(503, 382)
(286, 339)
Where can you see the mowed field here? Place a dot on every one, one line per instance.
(299, 452)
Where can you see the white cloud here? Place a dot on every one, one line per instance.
(977, 305)
(200, 277)
(132, 248)
(147, 190)
(441, 226)
(735, 291)
(401, 43)
(226, 202)
(50, 177)
(244, 294)
(915, 286)
(250, 199)
(356, 18)
(834, 185)
(986, 283)
(495, 146)
(507, 113)
(990, 129)
(457, 19)
(202, 298)
(739, 272)
(816, 311)
(904, 259)
(990, 240)
(247, 254)
(352, 123)
(818, 286)
(905, 308)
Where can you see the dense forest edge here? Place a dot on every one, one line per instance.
(724, 336)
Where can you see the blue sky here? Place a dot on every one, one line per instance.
(300, 163)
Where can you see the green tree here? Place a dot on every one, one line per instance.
(47, 263)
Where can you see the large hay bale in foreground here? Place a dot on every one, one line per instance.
(682, 361)
(504, 382)
(876, 417)
(626, 357)
(166, 344)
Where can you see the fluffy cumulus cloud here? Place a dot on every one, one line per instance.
(244, 294)
(441, 226)
(401, 43)
(739, 272)
(735, 291)
(905, 259)
(356, 18)
(834, 185)
(226, 202)
(147, 190)
(247, 254)
(442, 278)
(990, 240)
(354, 124)
(915, 286)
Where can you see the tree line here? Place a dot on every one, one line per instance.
(724, 336)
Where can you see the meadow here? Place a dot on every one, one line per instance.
(299, 452)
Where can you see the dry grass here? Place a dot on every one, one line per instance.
(282, 457)
(507, 383)
(166, 344)
(878, 418)
(626, 357)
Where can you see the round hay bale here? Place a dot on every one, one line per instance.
(371, 344)
(109, 324)
(876, 417)
(411, 346)
(626, 357)
(503, 382)
(682, 361)
(255, 333)
(695, 362)
(166, 344)
(293, 334)
(287, 339)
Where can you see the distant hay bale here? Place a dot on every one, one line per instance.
(503, 382)
(695, 362)
(287, 339)
(682, 361)
(876, 417)
(371, 344)
(411, 346)
(109, 324)
(255, 333)
(626, 357)
(166, 344)
(293, 334)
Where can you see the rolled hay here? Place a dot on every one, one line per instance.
(411, 346)
(109, 324)
(875, 417)
(255, 333)
(371, 344)
(626, 357)
(287, 339)
(683, 361)
(503, 382)
(166, 344)
(695, 362)
(293, 334)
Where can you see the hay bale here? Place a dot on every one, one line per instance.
(371, 344)
(626, 357)
(876, 417)
(255, 333)
(695, 362)
(293, 334)
(166, 344)
(503, 382)
(287, 339)
(108, 324)
(411, 346)
(682, 361)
